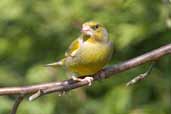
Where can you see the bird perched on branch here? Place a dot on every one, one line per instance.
(88, 53)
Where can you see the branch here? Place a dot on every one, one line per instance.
(66, 85)
(18, 100)
(141, 76)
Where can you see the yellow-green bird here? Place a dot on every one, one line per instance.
(88, 53)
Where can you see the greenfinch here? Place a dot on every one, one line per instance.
(88, 53)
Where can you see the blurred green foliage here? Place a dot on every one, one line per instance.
(36, 32)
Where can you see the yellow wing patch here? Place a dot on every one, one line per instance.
(75, 45)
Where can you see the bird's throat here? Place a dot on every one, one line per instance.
(86, 37)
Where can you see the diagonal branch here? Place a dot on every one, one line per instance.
(18, 100)
(66, 85)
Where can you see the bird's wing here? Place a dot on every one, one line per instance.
(73, 48)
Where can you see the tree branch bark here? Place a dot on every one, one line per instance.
(18, 100)
(66, 85)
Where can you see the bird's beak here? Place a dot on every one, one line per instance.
(86, 30)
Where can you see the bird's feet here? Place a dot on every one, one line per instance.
(88, 79)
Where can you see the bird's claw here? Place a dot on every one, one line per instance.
(88, 79)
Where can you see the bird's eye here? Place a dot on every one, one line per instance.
(96, 27)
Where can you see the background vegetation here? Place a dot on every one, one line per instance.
(36, 32)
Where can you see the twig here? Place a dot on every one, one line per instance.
(167, 4)
(67, 85)
(36, 95)
(18, 101)
(141, 76)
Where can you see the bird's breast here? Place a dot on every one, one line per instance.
(90, 58)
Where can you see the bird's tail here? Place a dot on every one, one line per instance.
(55, 64)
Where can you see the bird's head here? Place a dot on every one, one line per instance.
(94, 30)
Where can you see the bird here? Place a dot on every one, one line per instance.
(87, 54)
